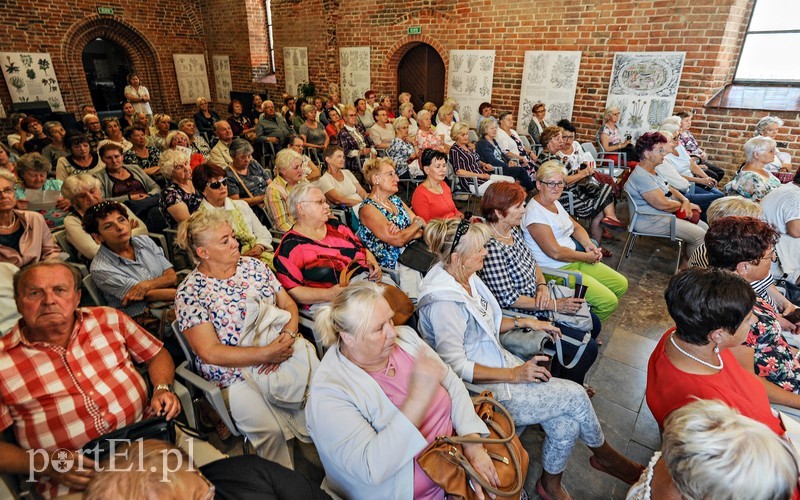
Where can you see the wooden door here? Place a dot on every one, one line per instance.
(421, 74)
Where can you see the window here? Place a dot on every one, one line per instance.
(771, 38)
(270, 41)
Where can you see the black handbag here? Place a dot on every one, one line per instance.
(151, 428)
(417, 256)
(792, 291)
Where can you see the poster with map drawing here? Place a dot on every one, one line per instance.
(551, 77)
(295, 65)
(644, 86)
(30, 77)
(222, 77)
(192, 77)
(470, 81)
(354, 73)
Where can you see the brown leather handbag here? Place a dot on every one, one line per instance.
(444, 461)
(399, 302)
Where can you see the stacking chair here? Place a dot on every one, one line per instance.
(637, 211)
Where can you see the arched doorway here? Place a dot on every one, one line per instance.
(106, 66)
(421, 73)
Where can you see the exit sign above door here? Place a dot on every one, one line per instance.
(415, 30)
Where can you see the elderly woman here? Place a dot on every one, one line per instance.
(387, 224)
(432, 199)
(694, 359)
(354, 140)
(247, 179)
(113, 131)
(510, 142)
(141, 154)
(33, 171)
(24, 235)
(161, 127)
(36, 139)
(574, 158)
(339, 186)
(127, 118)
(484, 113)
(179, 199)
(444, 123)
(311, 131)
(83, 191)
(537, 124)
(138, 95)
(693, 148)
(553, 238)
(218, 303)
(386, 394)
(647, 188)
(177, 139)
(754, 180)
(782, 209)
(81, 159)
(611, 141)
(426, 137)
(313, 254)
(511, 273)
(746, 246)
(288, 174)
(462, 321)
(56, 149)
(130, 185)
(382, 132)
(311, 171)
(407, 112)
(241, 124)
(196, 141)
(769, 127)
(709, 450)
(402, 150)
(254, 239)
(489, 152)
(205, 118)
(467, 164)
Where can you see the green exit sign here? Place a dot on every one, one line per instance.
(415, 30)
(108, 11)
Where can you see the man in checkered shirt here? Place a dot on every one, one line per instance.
(67, 377)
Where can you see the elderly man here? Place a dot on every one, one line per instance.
(67, 377)
(272, 127)
(93, 131)
(221, 155)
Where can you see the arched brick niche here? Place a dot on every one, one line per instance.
(387, 75)
(140, 51)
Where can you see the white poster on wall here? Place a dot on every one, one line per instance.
(222, 77)
(295, 64)
(470, 81)
(550, 77)
(30, 77)
(644, 86)
(354, 72)
(192, 77)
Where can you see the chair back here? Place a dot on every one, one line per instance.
(473, 136)
(187, 349)
(589, 148)
(633, 209)
(95, 294)
(63, 242)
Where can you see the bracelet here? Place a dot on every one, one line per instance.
(291, 333)
(165, 387)
(541, 284)
(516, 321)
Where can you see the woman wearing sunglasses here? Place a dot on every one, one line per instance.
(254, 239)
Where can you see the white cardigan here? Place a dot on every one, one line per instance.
(366, 443)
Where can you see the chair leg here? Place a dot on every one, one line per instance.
(626, 250)
(680, 253)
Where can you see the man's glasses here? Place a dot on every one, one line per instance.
(218, 184)
(461, 230)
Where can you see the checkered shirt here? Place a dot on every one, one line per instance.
(509, 271)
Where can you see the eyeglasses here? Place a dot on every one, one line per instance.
(218, 184)
(553, 185)
(461, 230)
(390, 173)
(318, 202)
(8, 192)
(773, 256)
(348, 115)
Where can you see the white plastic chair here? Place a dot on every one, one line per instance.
(605, 166)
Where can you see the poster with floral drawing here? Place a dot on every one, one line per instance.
(295, 65)
(222, 77)
(192, 77)
(30, 77)
(644, 86)
(470, 81)
(354, 73)
(550, 77)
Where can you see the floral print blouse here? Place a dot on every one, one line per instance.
(385, 253)
(751, 185)
(773, 359)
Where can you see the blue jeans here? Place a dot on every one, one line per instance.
(703, 198)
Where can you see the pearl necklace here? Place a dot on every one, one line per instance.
(498, 233)
(13, 221)
(705, 363)
(390, 208)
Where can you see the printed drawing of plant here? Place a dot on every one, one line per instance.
(472, 84)
(457, 60)
(471, 61)
(486, 63)
(55, 103)
(637, 114)
(26, 59)
(31, 74)
(11, 67)
(44, 65)
(537, 72)
(457, 82)
(466, 114)
(485, 88)
(17, 82)
(564, 71)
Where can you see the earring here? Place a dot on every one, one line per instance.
(716, 348)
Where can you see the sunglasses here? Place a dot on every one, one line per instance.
(461, 230)
(218, 184)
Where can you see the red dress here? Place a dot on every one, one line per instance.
(669, 388)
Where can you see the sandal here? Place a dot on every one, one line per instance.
(605, 253)
(590, 391)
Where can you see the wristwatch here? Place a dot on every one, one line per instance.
(165, 387)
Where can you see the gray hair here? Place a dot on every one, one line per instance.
(171, 137)
(733, 206)
(33, 162)
(50, 125)
(766, 122)
(758, 144)
(183, 122)
(78, 184)
(193, 232)
(484, 129)
(346, 313)
(406, 105)
(440, 233)
(169, 159)
(297, 196)
(711, 451)
(401, 122)
(239, 147)
(674, 120)
(5, 174)
(89, 117)
(423, 113)
(670, 128)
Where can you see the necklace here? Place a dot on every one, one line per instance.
(705, 363)
(13, 221)
(384, 205)
(498, 233)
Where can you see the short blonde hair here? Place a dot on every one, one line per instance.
(169, 159)
(484, 128)
(610, 111)
(284, 160)
(346, 312)
(443, 111)
(549, 169)
(346, 109)
(78, 184)
(422, 114)
(372, 167)
(733, 206)
(405, 106)
(400, 122)
(193, 232)
(171, 137)
(7, 175)
(458, 128)
(440, 233)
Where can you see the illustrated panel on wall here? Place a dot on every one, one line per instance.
(354, 70)
(643, 86)
(222, 77)
(295, 65)
(470, 81)
(30, 77)
(192, 77)
(550, 77)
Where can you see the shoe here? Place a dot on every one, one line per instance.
(609, 222)
(541, 492)
(608, 235)
(596, 465)
(605, 253)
